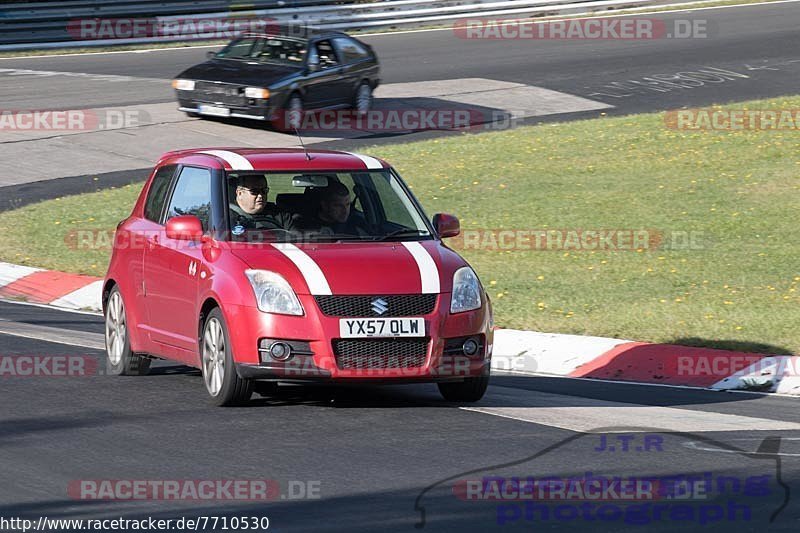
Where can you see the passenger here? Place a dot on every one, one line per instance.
(333, 214)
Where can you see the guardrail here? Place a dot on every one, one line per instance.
(42, 25)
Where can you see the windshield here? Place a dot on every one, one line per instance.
(281, 50)
(323, 207)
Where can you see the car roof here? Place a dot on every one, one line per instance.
(288, 32)
(273, 159)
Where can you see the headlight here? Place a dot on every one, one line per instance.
(273, 293)
(256, 92)
(183, 85)
(466, 291)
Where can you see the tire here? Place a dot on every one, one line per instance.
(223, 384)
(469, 390)
(362, 101)
(294, 113)
(120, 359)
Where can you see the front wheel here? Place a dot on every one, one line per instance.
(469, 390)
(219, 373)
(121, 359)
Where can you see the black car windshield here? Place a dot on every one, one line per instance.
(281, 50)
(323, 207)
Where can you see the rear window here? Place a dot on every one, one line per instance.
(349, 50)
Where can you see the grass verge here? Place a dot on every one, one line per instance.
(735, 288)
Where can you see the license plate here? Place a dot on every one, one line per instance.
(350, 328)
(215, 111)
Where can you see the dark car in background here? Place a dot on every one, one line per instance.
(278, 77)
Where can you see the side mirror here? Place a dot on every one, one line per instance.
(211, 54)
(446, 225)
(185, 228)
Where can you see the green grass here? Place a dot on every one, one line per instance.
(739, 188)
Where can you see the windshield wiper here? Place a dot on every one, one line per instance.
(336, 237)
(404, 232)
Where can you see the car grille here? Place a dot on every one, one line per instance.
(380, 353)
(220, 93)
(361, 306)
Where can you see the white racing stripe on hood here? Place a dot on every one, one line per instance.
(315, 278)
(428, 272)
(371, 162)
(236, 161)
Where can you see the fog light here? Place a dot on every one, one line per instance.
(470, 347)
(280, 351)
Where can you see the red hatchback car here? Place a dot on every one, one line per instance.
(267, 265)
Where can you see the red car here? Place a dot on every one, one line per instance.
(267, 265)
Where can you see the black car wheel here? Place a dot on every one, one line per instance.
(363, 99)
(294, 112)
(469, 390)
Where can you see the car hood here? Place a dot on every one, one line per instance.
(228, 71)
(357, 268)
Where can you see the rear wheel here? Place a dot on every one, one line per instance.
(363, 99)
(469, 390)
(294, 112)
(219, 372)
(121, 359)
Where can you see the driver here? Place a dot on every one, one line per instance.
(251, 209)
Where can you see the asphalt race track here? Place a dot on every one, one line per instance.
(375, 455)
(395, 458)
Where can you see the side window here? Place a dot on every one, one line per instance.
(238, 49)
(326, 54)
(192, 195)
(349, 50)
(157, 195)
(394, 201)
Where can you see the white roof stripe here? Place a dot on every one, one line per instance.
(428, 272)
(236, 161)
(312, 273)
(371, 162)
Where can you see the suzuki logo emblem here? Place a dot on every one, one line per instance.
(379, 306)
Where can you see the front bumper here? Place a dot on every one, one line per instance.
(321, 331)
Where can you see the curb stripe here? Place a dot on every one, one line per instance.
(9, 273)
(312, 273)
(371, 162)
(45, 286)
(236, 161)
(428, 271)
(87, 297)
